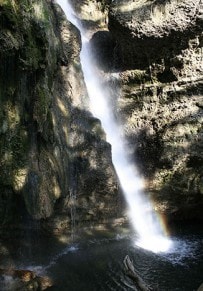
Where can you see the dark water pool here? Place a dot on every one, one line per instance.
(96, 263)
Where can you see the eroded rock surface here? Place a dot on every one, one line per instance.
(155, 50)
(159, 44)
(55, 163)
(159, 34)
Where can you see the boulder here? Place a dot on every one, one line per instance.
(24, 280)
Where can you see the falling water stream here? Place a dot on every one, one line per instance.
(150, 234)
(95, 262)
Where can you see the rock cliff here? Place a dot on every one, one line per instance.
(55, 164)
(155, 50)
(160, 53)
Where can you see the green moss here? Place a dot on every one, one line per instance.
(41, 106)
(96, 128)
(13, 144)
(24, 26)
(28, 55)
(8, 12)
(77, 65)
(32, 54)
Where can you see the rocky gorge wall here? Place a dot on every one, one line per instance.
(161, 101)
(155, 49)
(55, 164)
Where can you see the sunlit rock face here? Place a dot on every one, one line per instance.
(163, 124)
(159, 57)
(155, 50)
(93, 14)
(54, 161)
(55, 164)
(157, 33)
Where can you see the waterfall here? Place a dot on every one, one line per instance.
(144, 221)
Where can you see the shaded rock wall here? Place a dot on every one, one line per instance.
(28, 63)
(54, 161)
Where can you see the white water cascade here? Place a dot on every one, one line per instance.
(144, 220)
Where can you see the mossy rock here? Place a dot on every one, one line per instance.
(28, 55)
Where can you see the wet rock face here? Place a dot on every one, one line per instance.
(51, 148)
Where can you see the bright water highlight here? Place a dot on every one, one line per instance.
(143, 218)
